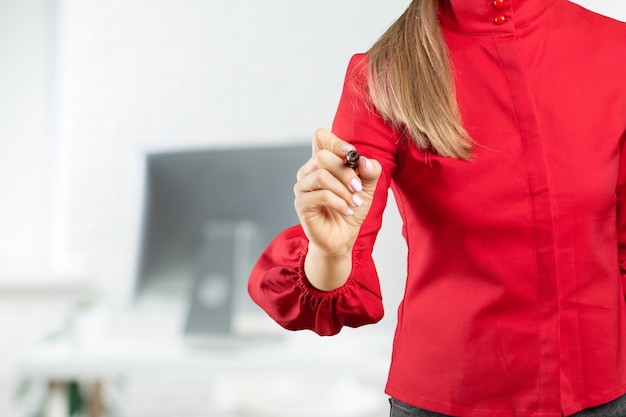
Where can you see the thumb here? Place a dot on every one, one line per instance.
(369, 171)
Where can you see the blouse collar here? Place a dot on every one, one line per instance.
(490, 16)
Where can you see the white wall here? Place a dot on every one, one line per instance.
(612, 8)
(159, 74)
(23, 117)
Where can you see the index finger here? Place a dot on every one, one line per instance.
(324, 139)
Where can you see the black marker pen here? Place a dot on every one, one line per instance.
(352, 159)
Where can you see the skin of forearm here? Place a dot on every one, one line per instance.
(325, 271)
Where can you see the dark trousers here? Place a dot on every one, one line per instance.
(615, 408)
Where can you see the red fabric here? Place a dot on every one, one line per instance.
(514, 304)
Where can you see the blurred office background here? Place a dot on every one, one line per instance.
(87, 90)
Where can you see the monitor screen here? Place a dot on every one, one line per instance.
(204, 207)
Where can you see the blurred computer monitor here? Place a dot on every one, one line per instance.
(207, 216)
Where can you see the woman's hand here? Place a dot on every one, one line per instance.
(332, 201)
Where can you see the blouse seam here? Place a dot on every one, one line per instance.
(405, 219)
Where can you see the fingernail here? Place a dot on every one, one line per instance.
(356, 185)
(356, 200)
(368, 165)
(350, 211)
(346, 147)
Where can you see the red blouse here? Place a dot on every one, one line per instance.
(514, 302)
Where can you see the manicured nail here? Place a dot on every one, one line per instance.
(347, 147)
(356, 185)
(368, 165)
(356, 200)
(350, 211)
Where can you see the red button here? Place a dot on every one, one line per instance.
(499, 4)
(499, 20)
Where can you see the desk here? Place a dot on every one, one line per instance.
(360, 356)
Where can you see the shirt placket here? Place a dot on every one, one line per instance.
(543, 211)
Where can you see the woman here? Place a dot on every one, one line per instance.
(499, 126)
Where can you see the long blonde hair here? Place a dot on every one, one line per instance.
(411, 84)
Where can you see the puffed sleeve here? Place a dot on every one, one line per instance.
(621, 210)
(277, 282)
